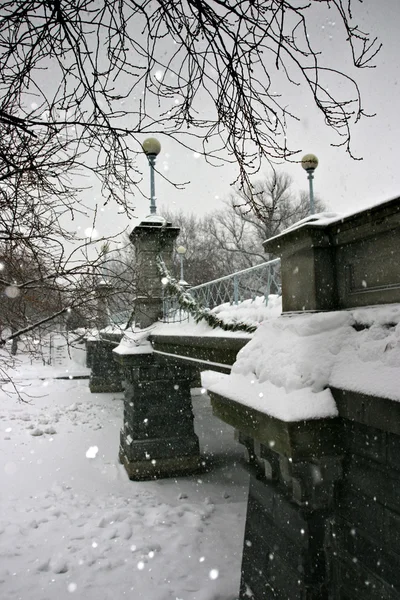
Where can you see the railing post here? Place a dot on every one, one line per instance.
(235, 289)
(268, 288)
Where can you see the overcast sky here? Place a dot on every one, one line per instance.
(343, 183)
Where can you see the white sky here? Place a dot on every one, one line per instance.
(343, 183)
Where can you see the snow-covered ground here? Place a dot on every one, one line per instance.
(72, 525)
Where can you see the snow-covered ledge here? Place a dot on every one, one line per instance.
(315, 400)
(288, 368)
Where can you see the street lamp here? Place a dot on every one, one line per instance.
(181, 250)
(152, 147)
(309, 162)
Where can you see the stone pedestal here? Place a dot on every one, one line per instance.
(90, 346)
(157, 438)
(105, 375)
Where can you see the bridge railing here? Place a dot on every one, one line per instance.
(248, 284)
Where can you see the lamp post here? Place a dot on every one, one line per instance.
(152, 147)
(181, 250)
(309, 162)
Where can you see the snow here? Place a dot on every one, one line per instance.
(134, 342)
(297, 405)
(72, 525)
(322, 219)
(286, 369)
(250, 312)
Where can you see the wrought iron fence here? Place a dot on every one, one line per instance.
(248, 284)
(261, 280)
(172, 310)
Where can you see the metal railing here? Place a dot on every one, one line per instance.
(172, 310)
(248, 284)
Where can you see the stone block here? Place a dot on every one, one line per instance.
(393, 451)
(369, 442)
(297, 440)
(353, 581)
(357, 548)
(158, 425)
(158, 448)
(106, 375)
(391, 530)
(374, 481)
(359, 512)
(283, 551)
(341, 265)
(162, 457)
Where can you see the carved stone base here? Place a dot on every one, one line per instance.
(158, 468)
(283, 551)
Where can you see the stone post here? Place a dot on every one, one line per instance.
(102, 290)
(157, 438)
(331, 264)
(151, 238)
(105, 375)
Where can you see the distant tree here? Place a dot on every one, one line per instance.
(230, 239)
(238, 230)
(201, 263)
(119, 270)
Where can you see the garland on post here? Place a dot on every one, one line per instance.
(189, 304)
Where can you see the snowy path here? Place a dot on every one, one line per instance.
(73, 526)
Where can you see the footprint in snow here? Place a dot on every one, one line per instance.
(59, 565)
(43, 566)
(50, 430)
(36, 432)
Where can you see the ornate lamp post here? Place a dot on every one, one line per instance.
(181, 250)
(152, 147)
(309, 162)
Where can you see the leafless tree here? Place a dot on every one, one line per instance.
(230, 239)
(238, 231)
(82, 82)
(200, 262)
(94, 77)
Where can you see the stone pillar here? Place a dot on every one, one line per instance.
(151, 238)
(294, 466)
(308, 269)
(102, 290)
(289, 506)
(158, 438)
